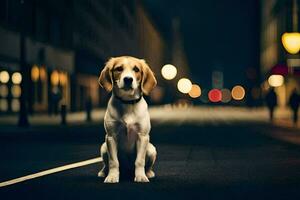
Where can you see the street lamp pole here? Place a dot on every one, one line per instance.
(23, 114)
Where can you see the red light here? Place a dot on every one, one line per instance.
(215, 95)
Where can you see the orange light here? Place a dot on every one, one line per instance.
(35, 73)
(43, 73)
(195, 92)
(16, 91)
(62, 78)
(55, 77)
(238, 92)
(215, 95)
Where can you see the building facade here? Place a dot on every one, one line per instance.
(48, 54)
(67, 43)
(276, 19)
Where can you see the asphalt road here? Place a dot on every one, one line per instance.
(207, 161)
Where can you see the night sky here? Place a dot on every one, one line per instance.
(217, 34)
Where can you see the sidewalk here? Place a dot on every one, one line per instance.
(282, 128)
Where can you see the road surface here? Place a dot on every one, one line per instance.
(215, 159)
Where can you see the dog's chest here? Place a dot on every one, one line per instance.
(128, 135)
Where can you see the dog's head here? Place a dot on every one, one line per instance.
(126, 76)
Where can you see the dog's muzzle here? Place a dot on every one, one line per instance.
(128, 83)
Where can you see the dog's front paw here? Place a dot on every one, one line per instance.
(112, 178)
(141, 178)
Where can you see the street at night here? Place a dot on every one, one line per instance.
(149, 99)
(212, 159)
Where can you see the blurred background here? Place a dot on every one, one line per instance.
(203, 53)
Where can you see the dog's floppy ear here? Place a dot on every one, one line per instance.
(105, 79)
(148, 81)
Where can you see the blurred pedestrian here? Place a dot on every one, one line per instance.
(271, 100)
(54, 101)
(294, 104)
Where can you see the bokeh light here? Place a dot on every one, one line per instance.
(169, 72)
(55, 77)
(3, 91)
(16, 78)
(276, 80)
(16, 91)
(15, 105)
(35, 73)
(4, 77)
(238, 92)
(226, 95)
(62, 78)
(291, 42)
(195, 91)
(43, 74)
(3, 105)
(215, 95)
(184, 85)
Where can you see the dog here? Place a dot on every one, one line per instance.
(127, 144)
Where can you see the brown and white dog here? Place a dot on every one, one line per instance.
(127, 121)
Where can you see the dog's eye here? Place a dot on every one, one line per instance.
(136, 69)
(119, 69)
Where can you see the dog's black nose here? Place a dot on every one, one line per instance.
(128, 80)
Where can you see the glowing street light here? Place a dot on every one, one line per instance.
(276, 80)
(169, 72)
(291, 42)
(195, 91)
(184, 85)
(4, 77)
(238, 92)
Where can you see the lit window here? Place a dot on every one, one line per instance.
(3, 105)
(16, 91)
(4, 77)
(3, 91)
(15, 105)
(16, 78)
(55, 77)
(35, 73)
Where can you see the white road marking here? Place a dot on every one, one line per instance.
(51, 171)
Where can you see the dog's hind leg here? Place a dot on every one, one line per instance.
(150, 158)
(104, 155)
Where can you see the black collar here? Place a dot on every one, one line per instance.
(134, 101)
